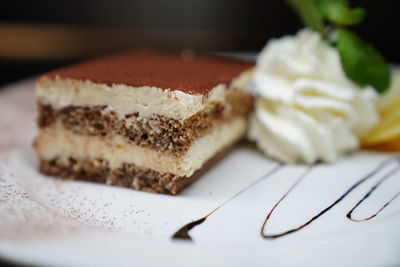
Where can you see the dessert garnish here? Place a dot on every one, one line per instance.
(385, 135)
(361, 62)
(377, 174)
(317, 90)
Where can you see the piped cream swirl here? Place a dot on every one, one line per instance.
(307, 109)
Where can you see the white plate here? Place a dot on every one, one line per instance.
(67, 223)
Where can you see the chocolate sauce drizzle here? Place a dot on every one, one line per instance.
(388, 175)
(183, 232)
(354, 186)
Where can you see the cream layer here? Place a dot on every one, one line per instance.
(56, 141)
(123, 99)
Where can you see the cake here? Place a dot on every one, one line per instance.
(144, 120)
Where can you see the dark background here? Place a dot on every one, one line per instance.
(38, 35)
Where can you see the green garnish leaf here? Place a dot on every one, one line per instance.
(361, 62)
(309, 13)
(339, 12)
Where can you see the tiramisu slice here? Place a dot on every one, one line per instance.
(144, 120)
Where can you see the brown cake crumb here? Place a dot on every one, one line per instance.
(127, 175)
(157, 132)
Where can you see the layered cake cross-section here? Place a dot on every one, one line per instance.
(145, 120)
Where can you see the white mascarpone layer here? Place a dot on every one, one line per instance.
(56, 141)
(124, 99)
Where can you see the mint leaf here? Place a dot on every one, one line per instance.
(339, 12)
(309, 13)
(361, 62)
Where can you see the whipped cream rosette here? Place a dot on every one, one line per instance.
(307, 109)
